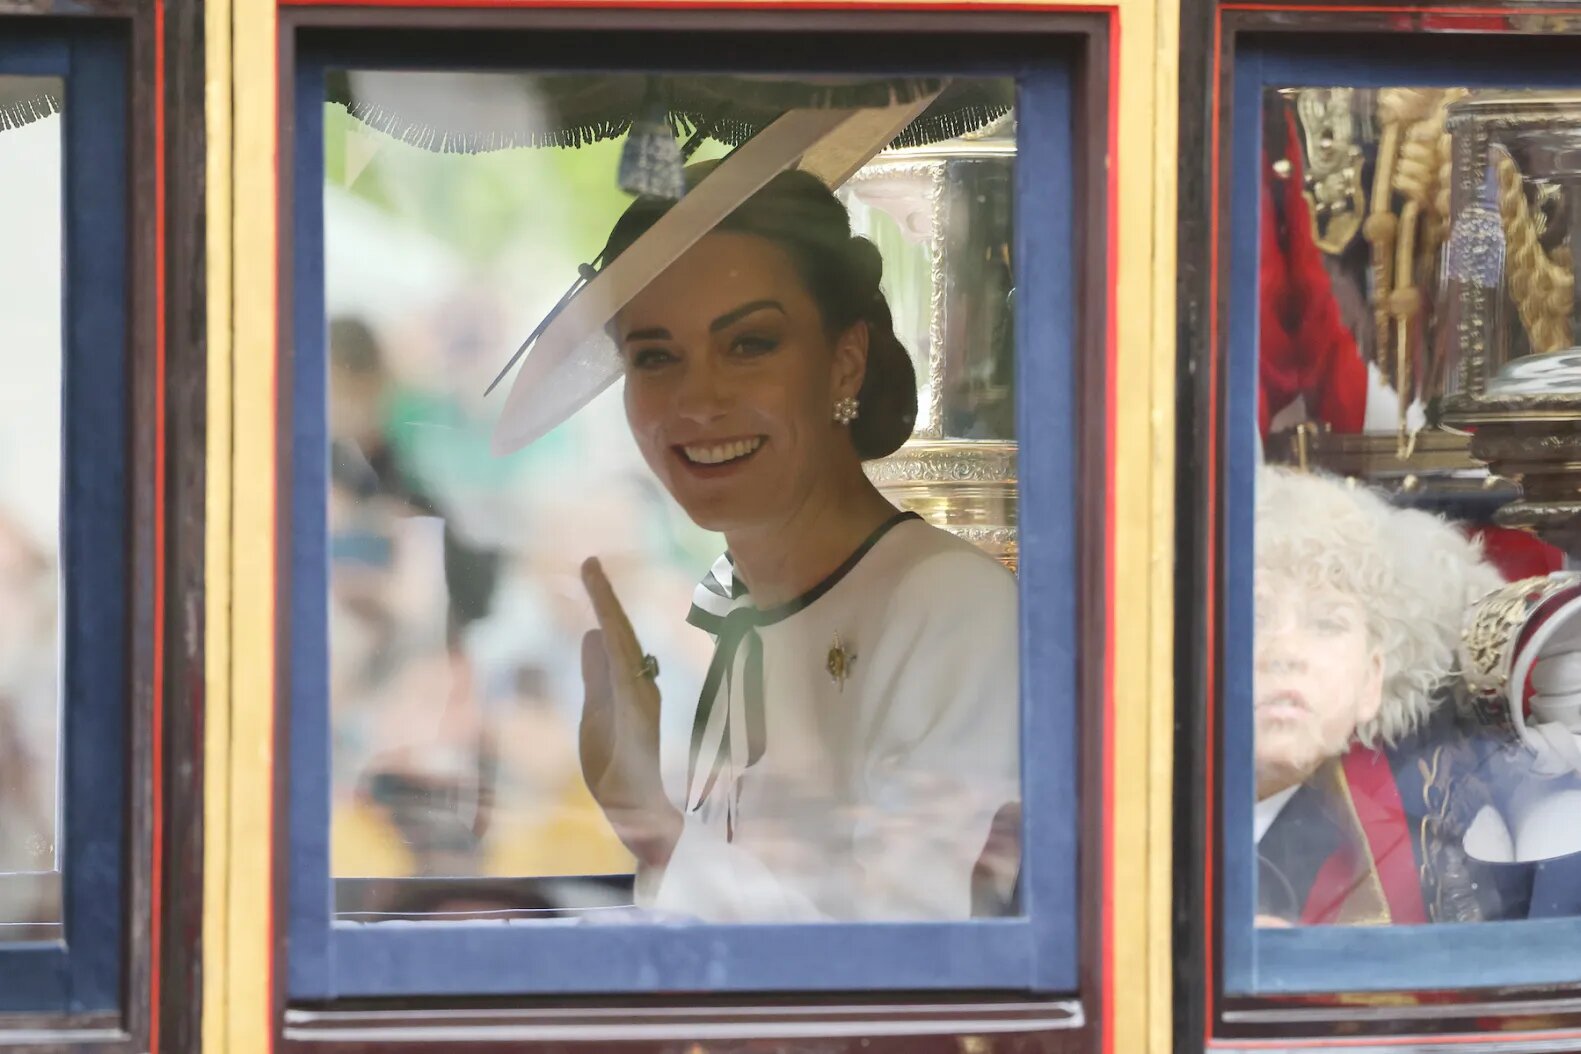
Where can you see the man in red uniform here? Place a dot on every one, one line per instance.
(1365, 785)
(1304, 349)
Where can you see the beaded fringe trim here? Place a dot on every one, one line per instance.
(959, 118)
(27, 111)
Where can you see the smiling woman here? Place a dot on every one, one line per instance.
(852, 746)
(823, 736)
(778, 310)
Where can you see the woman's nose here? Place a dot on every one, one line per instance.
(703, 395)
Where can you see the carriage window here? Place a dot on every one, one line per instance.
(31, 301)
(659, 429)
(66, 531)
(780, 421)
(1410, 709)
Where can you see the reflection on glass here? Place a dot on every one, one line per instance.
(824, 743)
(1357, 610)
(1355, 340)
(1415, 726)
(1513, 375)
(1392, 783)
(1406, 767)
(1414, 272)
(940, 214)
(1516, 169)
(31, 259)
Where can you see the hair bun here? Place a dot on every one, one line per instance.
(867, 266)
(889, 389)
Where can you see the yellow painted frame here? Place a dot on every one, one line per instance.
(238, 1003)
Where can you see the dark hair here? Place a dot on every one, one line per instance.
(354, 349)
(799, 214)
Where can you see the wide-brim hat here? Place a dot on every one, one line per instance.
(571, 358)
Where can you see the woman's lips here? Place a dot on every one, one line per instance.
(716, 457)
(718, 451)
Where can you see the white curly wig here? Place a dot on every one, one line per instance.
(1413, 573)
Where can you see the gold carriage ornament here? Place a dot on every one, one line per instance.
(1520, 664)
(940, 214)
(1512, 367)
(1404, 219)
(1336, 203)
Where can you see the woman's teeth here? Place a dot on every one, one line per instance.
(718, 453)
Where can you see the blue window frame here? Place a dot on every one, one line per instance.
(1338, 958)
(1036, 952)
(83, 972)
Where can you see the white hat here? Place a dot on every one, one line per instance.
(572, 359)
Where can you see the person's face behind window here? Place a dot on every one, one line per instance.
(1316, 678)
(731, 382)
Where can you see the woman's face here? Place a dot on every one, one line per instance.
(731, 382)
(1317, 677)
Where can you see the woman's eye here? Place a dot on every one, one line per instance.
(749, 344)
(650, 358)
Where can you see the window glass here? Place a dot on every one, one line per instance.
(31, 266)
(1417, 654)
(807, 729)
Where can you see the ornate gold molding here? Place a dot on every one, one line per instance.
(946, 461)
(967, 487)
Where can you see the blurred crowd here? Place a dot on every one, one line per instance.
(29, 726)
(456, 607)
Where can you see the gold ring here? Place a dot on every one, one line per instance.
(649, 669)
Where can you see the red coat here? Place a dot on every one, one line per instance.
(1304, 348)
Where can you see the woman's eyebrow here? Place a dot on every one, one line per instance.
(651, 333)
(742, 312)
(722, 322)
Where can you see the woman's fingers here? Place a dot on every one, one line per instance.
(625, 675)
(619, 638)
(618, 744)
(596, 734)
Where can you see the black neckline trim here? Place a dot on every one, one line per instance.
(780, 612)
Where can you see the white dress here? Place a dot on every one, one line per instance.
(864, 798)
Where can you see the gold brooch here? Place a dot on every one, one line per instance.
(839, 662)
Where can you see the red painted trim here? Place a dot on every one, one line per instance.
(1334, 1042)
(908, 6)
(274, 1023)
(157, 736)
(1106, 1011)
(1387, 9)
(1211, 536)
